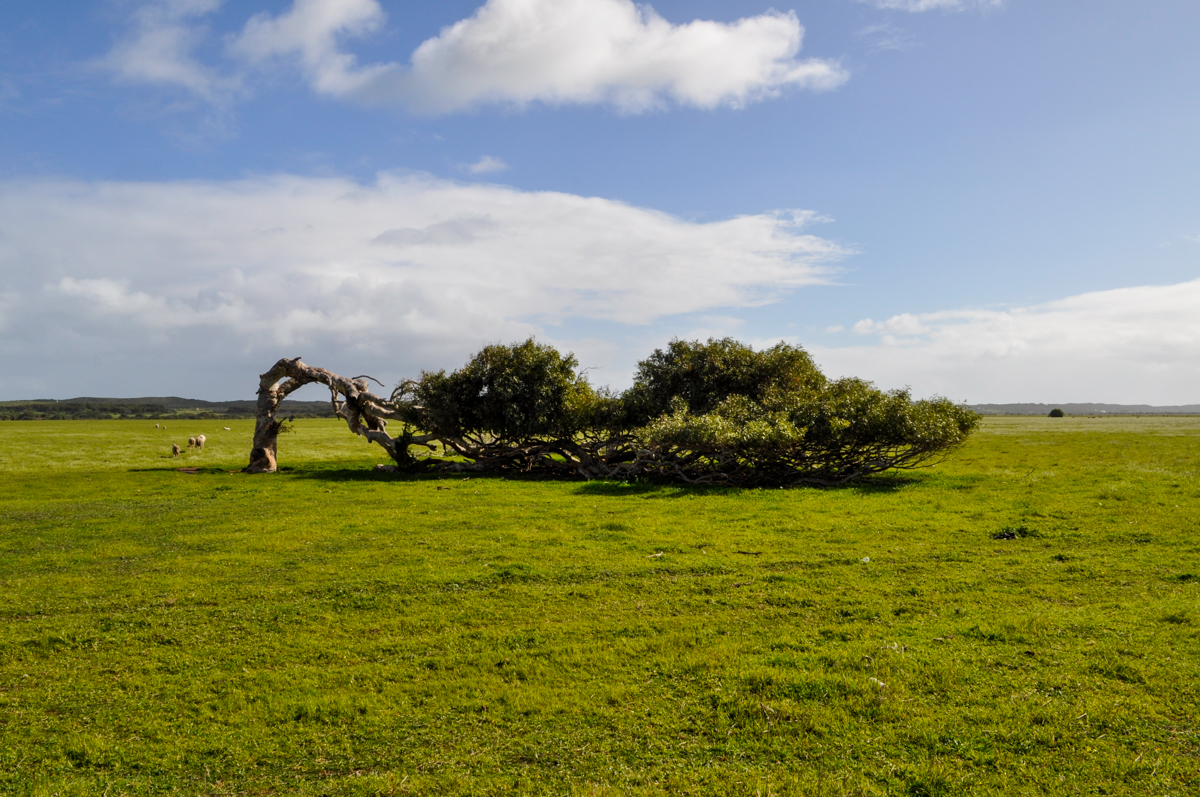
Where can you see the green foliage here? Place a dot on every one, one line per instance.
(704, 375)
(837, 431)
(511, 393)
(329, 630)
(716, 412)
(1057, 413)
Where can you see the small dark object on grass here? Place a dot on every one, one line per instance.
(1056, 413)
(1013, 532)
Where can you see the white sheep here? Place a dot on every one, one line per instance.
(200, 441)
(174, 449)
(191, 442)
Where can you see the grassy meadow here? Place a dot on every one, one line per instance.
(1022, 619)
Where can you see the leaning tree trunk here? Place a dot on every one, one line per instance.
(352, 401)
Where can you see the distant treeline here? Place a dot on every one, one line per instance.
(1086, 409)
(155, 408)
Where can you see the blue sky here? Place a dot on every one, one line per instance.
(993, 201)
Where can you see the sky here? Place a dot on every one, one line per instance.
(988, 200)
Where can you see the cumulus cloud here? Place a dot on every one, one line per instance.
(1130, 345)
(903, 324)
(207, 282)
(917, 6)
(160, 50)
(518, 52)
(486, 165)
(573, 51)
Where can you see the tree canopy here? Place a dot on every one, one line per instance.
(711, 412)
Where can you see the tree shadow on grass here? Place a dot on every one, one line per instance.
(192, 470)
(665, 488)
(360, 474)
(599, 488)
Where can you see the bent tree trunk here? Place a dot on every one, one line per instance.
(363, 411)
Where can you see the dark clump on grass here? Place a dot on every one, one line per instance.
(1015, 532)
(516, 573)
(1057, 413)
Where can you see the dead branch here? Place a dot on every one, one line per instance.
(363, 411)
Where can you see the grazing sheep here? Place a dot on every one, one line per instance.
(200, 440)
(174, 449)
(191, 442)
(156, 426)
(226, 428)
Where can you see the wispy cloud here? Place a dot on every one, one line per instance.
(310, 32)
(917, 6)
(887, 36)
(207, 281)
(160, 49)
(1130, 345)
(486, 165)
(509, 52)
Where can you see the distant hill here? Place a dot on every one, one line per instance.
(1085, 409)
(150, 407)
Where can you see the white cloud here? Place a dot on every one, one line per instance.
(206, 283)
(917, 6)
(510, 52)
(160, 50)
(903, 324)
(486, 165)
(1130, 345)
(552, 51)
(310, 31)
(563, 51)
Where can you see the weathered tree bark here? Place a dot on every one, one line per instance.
(352, 401)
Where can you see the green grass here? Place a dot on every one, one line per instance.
(329, 630)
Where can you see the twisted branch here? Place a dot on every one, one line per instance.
(363, 411)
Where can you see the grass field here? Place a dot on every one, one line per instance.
(329, 630)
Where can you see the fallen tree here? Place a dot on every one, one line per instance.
(702, 413)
